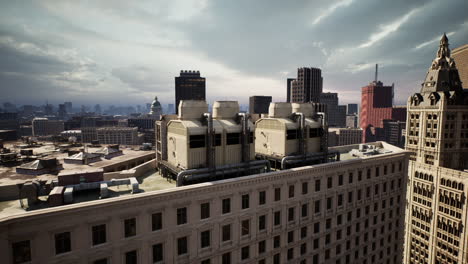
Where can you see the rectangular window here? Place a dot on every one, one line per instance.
(130, 227)
(277, 194)
(245, 201)
(340, 180)
(62, 243)
(304, 211)
(206, 261)
(329, 203)
(328, 223)
(291, 236)
(226, 233)
(305, 187)
(317, 227)
(245, 252)
(290, 253)
(245, 224)
(99, 234)
(350, 197)
(303, 248)
(277, 259)
(291, 134)
(261, 197)
(232, 138)
(277, 218)
(303, 232)
(226, 258)
(205, 210)
(205, 239)
(158, 253)
(276, 242)
(21, 251)
(291, 212)
(181, 216)
(182, 246)
(100, 261)
(340, 200)
(291, 191)
(226, 205)
(329, 182)
(156, 221)
(350, 177)
(317, 206)
(197, 141)
(131, 257)
(262, 222)
(261, 247)
(317, 185)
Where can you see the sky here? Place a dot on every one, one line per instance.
(124, 52)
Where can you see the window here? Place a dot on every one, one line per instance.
(303, 231)
(245, 252)
(131, 257)
(277, 259)
(261, 197)
(291, 134)
(21, 251)
(317, 185)
(304, 210)
(262, 222)
(62, 243)
(130, 227)
(276, 242)
(291, 214)
(305, 187)
(206, 261)
(182, 246)
(290, 253)
(340, 180)
(245, 201)
(217, 140)
(261, 247)
(181, 216)
(100, 261)
(245, 230)
(226, 258)
(226, 233)
(317, 227)
(205, 239)
(277, 194)
(329, 182)
(99, 234)
(157, 252)
(232, 138)
(226, 205)
(291, 236)
(156, 221)
(329, 203)
(317, 206)
(340, 200)
(350, 177)
(197, 141)
(277, 218)
(291, 191)
(204, 210)
(303, 248)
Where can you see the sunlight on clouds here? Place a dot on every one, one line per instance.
(329, 11)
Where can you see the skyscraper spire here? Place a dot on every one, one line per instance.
(376, 72)
(444, 50)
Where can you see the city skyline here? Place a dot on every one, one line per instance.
(121, 55)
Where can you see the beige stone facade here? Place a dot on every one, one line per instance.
(342, 212)
(460, 55)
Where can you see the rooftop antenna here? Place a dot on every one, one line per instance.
(376, 72)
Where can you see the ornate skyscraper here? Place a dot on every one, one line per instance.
(437, 136)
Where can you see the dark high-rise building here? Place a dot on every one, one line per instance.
(336, 114)
(393, 132)
(259, 104)
(62, 111)
(288, 89)
(352, 109)
(189, 86)
(308, 86)
(68, 106)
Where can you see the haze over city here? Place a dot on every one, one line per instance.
(125, 53)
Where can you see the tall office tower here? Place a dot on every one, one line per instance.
(393, 131)
(259, 104)
(62, 112)
(68, 106)
(376, 105)
(189, 86)
(288, 89)
(460, 55)
(336, 113)
(308, 86)
(436, 136)
(352, 109)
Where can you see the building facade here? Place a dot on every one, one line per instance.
(344, 136)
(336, 114)
(308, 86)
(46, 127)
(436, 136)
(352, 121)
(352, 109)
(460, 56)
(118, 135)
(289, 89)
(394, 132)
(259, 104)
(341, 212)
(189, 86)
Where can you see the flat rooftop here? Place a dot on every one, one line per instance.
(154, 182)
(9, 176)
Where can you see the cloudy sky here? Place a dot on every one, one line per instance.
(126, 52)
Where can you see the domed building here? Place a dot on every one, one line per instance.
(156, 108)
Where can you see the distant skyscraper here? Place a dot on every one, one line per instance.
(62, 112)
(189, 86)
(352, 109)
(97, 109)
(288, 89)
(460, 55)
(437, 137)
(336, 113)
(308, 86)
(68, 106)
(393, 131)
(259, 104)
(352, 121)
(376, 105)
